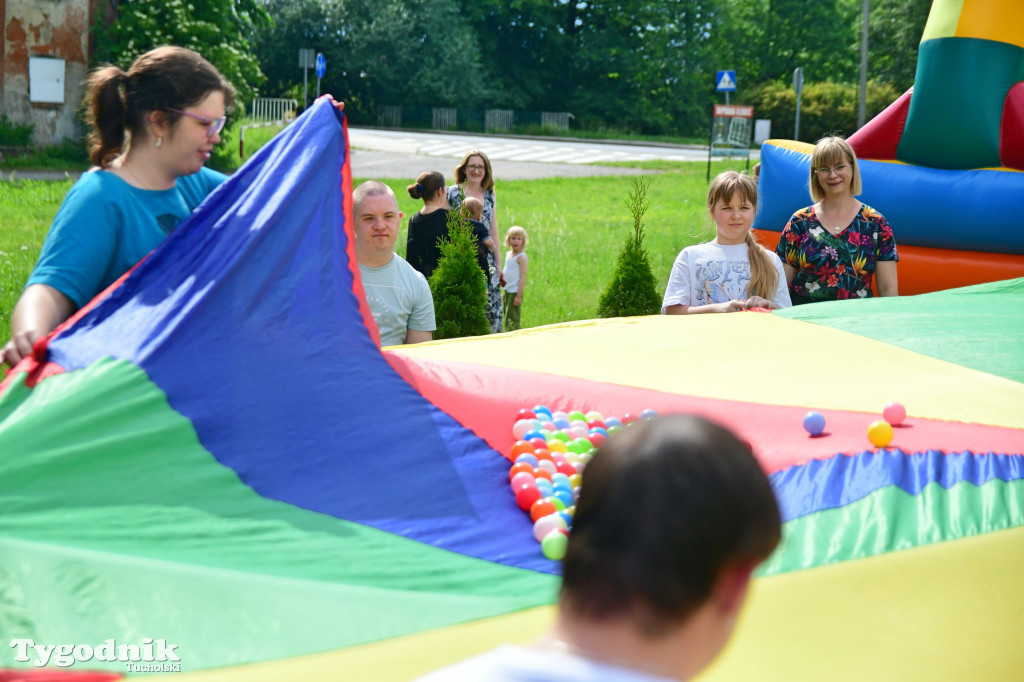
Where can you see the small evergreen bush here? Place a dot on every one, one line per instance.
(458, 284)
(633, 289)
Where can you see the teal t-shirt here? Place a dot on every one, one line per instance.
(105, 226)
(399, 298)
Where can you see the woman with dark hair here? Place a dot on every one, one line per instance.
(831, 250)
(428, 224)
(153, 129)
(474, 179)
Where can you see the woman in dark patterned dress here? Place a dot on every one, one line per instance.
(831, 250)
(474, 179)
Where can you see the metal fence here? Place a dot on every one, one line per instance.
(273, 109)
(472, 120)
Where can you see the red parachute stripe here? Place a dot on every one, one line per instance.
(486, 400)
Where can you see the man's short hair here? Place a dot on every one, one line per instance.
(665, 507)
(370, 188)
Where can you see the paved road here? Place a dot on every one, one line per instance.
(517, 148)
(405, 154)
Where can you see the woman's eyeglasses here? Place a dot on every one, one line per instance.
(826, 171)
(213, 125)
(474, 167)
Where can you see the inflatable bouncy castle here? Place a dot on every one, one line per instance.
(945, 162)
(215, 463)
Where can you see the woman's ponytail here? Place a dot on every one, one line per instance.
(764, 278)
(107, 114)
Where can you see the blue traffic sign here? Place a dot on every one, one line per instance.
(321, 66)
(725, 81)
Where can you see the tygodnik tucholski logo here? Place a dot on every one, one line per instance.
(149, 656)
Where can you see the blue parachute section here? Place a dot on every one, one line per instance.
(263, 266)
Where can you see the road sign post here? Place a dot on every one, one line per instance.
(725, 81)
(321, 69)
(306, 57)
(798, 85)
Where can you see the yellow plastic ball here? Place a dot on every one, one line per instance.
(880, 433)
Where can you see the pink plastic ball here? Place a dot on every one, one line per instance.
(894, 413)
(546, 524)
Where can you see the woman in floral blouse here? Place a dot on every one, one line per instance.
(831, 250)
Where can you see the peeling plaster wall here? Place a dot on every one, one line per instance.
(45, 28)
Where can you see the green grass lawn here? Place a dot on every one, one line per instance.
(576, 228)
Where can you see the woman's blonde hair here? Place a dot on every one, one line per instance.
(828, 152)
(516, 231)
(764, 278)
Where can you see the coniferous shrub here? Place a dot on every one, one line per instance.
(633, 289)
(458, 284)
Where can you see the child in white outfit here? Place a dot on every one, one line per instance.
(732, 272)
(515, 278)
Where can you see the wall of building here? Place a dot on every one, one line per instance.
(45, 28)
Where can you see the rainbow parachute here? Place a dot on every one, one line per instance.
(215, 453)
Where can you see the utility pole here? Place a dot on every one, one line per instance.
(862, 100)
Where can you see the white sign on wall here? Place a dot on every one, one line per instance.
(46, 80)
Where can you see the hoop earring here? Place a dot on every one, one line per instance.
(159, 141)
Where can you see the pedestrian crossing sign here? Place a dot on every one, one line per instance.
(726, 81)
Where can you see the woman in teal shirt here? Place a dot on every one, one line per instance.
(153, 129)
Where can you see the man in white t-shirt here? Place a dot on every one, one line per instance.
(398, 296)
(673, 516)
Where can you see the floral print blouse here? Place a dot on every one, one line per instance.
(829, 267)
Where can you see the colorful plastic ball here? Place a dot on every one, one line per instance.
(558, 414)
(814, 423)
(612, 421)
(542, 507)
(546, 524)
(538, 443)
(597, 438)
(594, 415)
(565, 496)
(547, 465)
(648, 414)
(880, 433)
(526, 496)
(580, 445)
(540, 473)
(577, 415)
(894, 413)
(542, 409)
(519, 467)
(612, 430)
(546, 488)
(527, 457)
(558, 457)
(524, 478)
(557, 445)
(561, 479)
(557, 501)
(567, 515)
(521, 428)
(628, 419)
(562, 436)
(575, 480)
(541, 455)
(548, 425)
(548, 434)
(525, 414)
(594, 424)
(565, 468)
(534, 433)
(554, 545)
(561, 422)
(521, 446)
